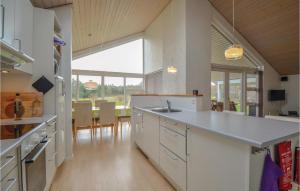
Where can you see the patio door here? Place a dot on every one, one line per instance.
(235, 91)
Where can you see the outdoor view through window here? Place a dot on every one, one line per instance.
(112, 74)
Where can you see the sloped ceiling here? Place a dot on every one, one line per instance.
(271, 26)
(101, 21)
(97, 22)
(50, 3)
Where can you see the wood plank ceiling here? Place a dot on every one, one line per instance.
(271, 26)
(100, 21)
(50, 3)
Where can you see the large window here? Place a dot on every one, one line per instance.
(114, 90)
(133, 86)
(126, 58)
(89, 87)
(113, 74)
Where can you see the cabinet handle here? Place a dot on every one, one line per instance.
(174, 135)
(11, 158)
(10, 186)
(3, 20)
(173, 158)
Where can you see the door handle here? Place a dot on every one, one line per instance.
(35, 157)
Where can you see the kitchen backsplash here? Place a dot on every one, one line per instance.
(32, 104)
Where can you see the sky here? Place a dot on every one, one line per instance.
(126, 58)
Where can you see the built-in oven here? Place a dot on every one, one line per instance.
(34, 168)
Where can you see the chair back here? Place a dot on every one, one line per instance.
(98, 102)
(107, 113)
(234, 112)
(83, 114)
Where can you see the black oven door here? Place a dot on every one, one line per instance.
(34, 169)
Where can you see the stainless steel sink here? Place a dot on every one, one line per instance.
(165, 110)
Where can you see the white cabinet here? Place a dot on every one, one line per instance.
(17, 27)
(150, 136)
(7, 21)
(23, 32)
(173, 167)
(146, 134)
(50, 155)
(137, 124)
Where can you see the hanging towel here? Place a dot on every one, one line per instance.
(271, 173)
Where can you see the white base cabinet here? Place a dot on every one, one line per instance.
(50, 155)
(150, 136)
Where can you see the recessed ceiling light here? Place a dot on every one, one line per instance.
(5, 71)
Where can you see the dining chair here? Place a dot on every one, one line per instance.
(97, 105)
(107, 116)
(98, 102)
(83, 117)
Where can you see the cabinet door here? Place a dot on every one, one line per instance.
(24, 25)
(50, 161)
(7, 21)
(24, 30)
(151, 136)
(138, 127)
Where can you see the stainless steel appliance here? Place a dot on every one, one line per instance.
(33, 159)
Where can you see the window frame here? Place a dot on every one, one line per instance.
(103, 74)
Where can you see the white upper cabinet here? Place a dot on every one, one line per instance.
(23, 32)
(24, 25)
(7, 21)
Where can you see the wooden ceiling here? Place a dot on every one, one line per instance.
(100, 21)
(50, 3)
(271, 26)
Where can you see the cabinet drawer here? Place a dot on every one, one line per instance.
(11, 181)
(8, 162)
(173, 141)
(174, 167)
(178, 127)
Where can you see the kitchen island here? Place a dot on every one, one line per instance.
(206, 150)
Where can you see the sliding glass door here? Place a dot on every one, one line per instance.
(252, 94)
(236, 91)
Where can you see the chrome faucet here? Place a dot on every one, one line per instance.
(169, 105)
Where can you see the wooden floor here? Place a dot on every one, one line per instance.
(108, 164)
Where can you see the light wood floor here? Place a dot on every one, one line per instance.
(108, 164)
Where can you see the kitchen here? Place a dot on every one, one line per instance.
(35, 49)
(164, 135)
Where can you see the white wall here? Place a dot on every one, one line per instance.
(16, 82)
(174, 47)
(153, 82)
(271, 80)
(165, 46)
(292, 94)
(64, 15)
(198, 51)
(153, 46)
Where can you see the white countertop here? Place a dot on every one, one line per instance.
(8, 144)
(254, 131)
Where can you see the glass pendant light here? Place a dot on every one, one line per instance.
(235, 51)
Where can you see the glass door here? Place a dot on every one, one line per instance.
(235, 92)
(252, 94)
(217, 85)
